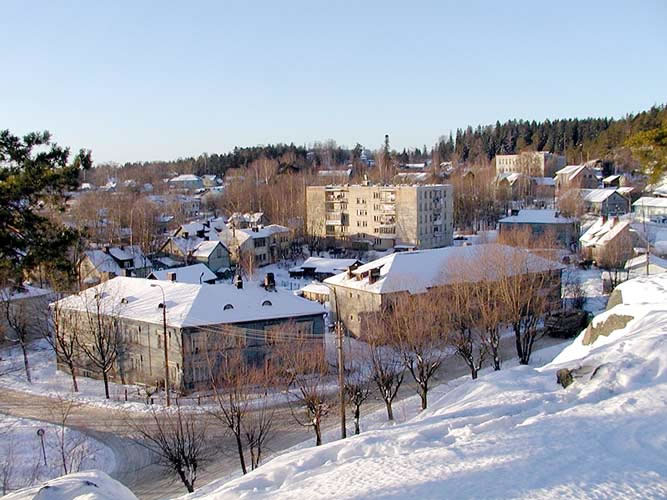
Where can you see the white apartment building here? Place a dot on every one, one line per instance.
(531, 163)
(382, 216)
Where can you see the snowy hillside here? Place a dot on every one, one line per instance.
(514, 433)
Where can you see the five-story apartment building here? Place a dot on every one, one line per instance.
(382, 216)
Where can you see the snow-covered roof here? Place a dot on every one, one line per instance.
(413, 176)
(510, 177)
(194, 274)
(640, 261)
(106, 262)
(191, 305)
(571, 171)
(596, 195)
(625, 190)
(420, 270)
(530, 216)
(185, 178)
(649, 201)
(544, 181)
(315, 287)
(325, 265)
(603, 231)
(260, 232)
(334, 173)
(26, 291)
(206, 248)
(611, 178)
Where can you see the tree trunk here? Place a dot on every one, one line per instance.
(188, 485)
(239, 447)
(473, 373)
(318, 433)
(26, 363)
(422, 395)
(357, 415)
(390, 411)
(517, 340)
(75, 384)
(105, 377)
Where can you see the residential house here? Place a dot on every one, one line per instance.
(201, 321)
(101, 264)
(381, 217)
(604, 232)
(248, 220)
(321, 268)
(575, 177)
(262, 244)
(530, 163)
(650, 208)
(195, 274)
(190, 249)
(540, 222)
(24, 305)
(186, 182)
(211, 180)
(318, 292)
(368, 289)
(604, 201)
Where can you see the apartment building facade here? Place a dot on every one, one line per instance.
(531, 163)
(382, 217)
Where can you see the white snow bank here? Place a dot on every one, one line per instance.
(90, 485)
(22, 456)
(510, 434)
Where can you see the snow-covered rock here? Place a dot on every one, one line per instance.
(89, 485)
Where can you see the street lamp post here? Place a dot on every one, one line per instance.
(164, 334)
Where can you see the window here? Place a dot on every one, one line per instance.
(227, 307)
(266, 303)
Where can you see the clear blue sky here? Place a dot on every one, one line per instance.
(157, 80)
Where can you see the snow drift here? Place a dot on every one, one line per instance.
(89, 485)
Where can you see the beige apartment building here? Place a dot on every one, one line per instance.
(532, 163)
(382, 217)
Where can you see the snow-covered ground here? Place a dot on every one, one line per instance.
(47, 381)
(22, 457)
(511, 434)
(89, 485)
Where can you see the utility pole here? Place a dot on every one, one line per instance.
(341, 371)
(164, 338)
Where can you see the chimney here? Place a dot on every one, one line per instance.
(373, 275)
(186, 234)
(238, 281)
(255, 229)
(106, 249)
(270, 282)
(604, 219)
(614, 220)
(171, 276)
(127, 273)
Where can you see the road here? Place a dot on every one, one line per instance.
(149, 481)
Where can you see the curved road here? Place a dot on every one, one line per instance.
(135, 466)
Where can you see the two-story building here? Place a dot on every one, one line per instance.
(367, 289)
(203, 323)
(101, 264)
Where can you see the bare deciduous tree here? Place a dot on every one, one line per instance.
(387, 366)
(460, 318)
(304, 369)
(99, 335)
(178, 439)
(415, 327)
(73, 449)
(60, 330)
(357, 389)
